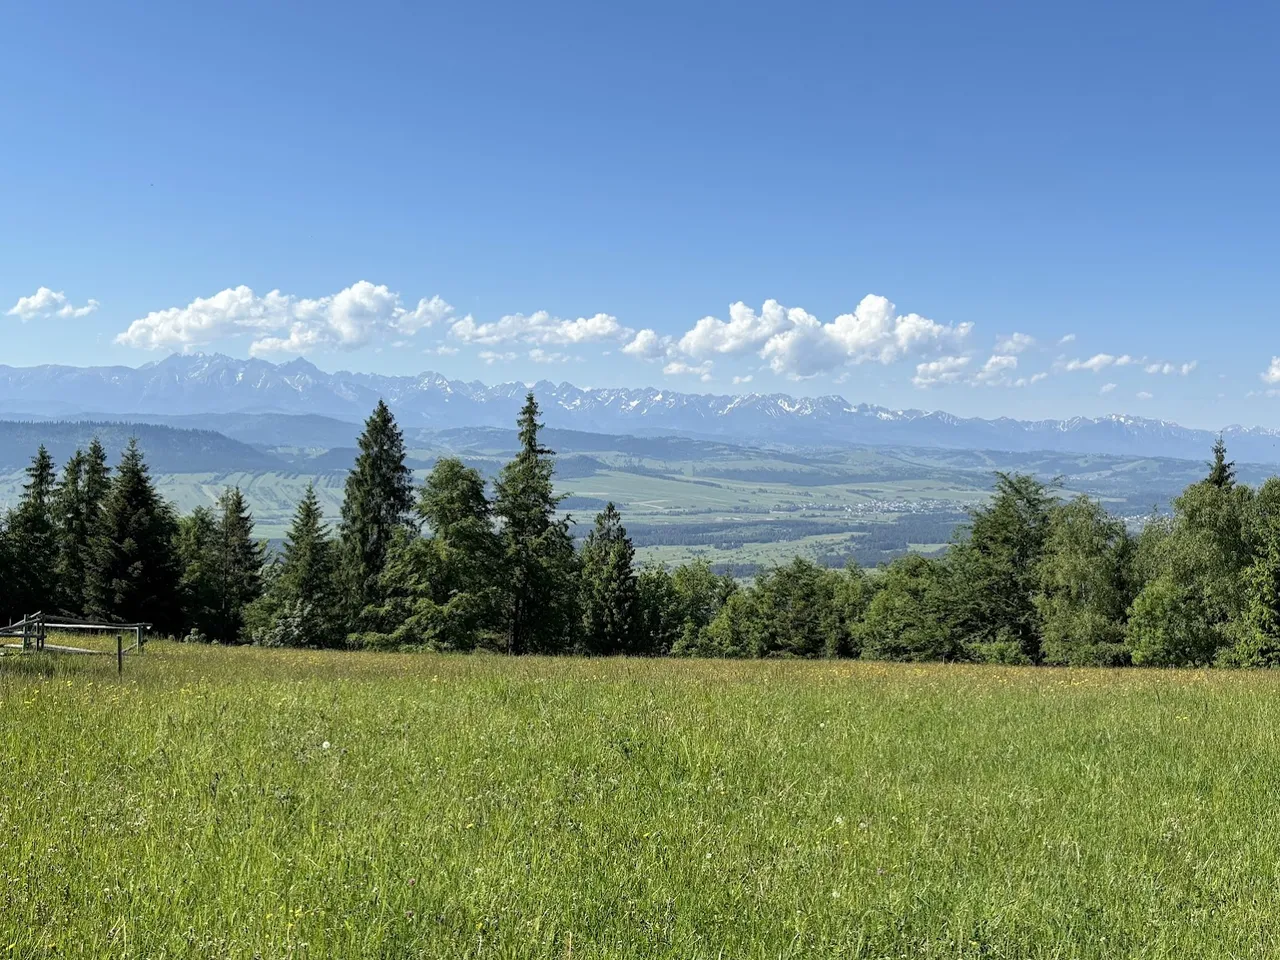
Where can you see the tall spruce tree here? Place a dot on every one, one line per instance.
(134, 568)
(196, 545)
(301, 606)
(71, 535)
(610, 592)
(73, 520)
(32, 540)
(95, 484)
(237, 566)
(307, 569)
(379, 496)
(538, 554)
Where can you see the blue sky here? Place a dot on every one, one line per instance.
(888, 192)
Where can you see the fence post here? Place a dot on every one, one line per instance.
(137, 637)
(120, 654)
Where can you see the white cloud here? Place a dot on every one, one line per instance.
(874, 332)
(1015, 343)
(441, 350)
(283, 323)
(648, 345)
(747, 379)
(1069, 338)
(943, 370)
(427, 313)
(798, 345)
(1272, 373)
(746, 330)
(538, 355)
(1100, 361)
(45, 303)
(996, 371)
(678, 368)
(1171, 368)
(1107, 388)
(490, 357)
(1143, 395)
(540, 328)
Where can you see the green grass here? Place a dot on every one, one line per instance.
(244, 803)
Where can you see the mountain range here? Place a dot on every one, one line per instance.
(215, 392)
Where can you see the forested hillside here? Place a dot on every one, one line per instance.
(169, 450)
(460, 563)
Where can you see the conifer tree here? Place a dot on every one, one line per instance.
(443, 591)
(379, 496)
(538, 554)
(301, 606)
(9, 612)
(72, 536)
(464, 552)
(134, 567)
(610, 592)
(1222, 472)
(307, 569)
(237, 566)
(994, 570)
(660, 616)
(75, 515)
(95, 483)
(97, 475)
(195, 543)
(32, 540)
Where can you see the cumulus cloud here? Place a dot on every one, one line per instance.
(997, 371)
(1107, 388)
(747, 379)
(46, 303)
(745, 329)
(538, 355)
(1099, 362)
(678, 368)
(1272, 373)
(1143, 395)
(943, 370)
(875, 332)
(282, 323)
(1069, 338)
(1181, 369)
(797, 344)
(540, 328)
(1015, 343)
(491, 357)
(648, 345)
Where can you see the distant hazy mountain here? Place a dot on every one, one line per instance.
(167, 450)
(183, 386)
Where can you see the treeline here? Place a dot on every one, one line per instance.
(453, 565)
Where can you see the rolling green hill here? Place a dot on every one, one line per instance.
(737, 506)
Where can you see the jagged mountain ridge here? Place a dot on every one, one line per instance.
(216, 384)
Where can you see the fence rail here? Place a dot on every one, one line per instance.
(34, 629)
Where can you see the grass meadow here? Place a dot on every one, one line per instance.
(251, 803)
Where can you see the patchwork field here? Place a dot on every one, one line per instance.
(737, 506)
(242, 802)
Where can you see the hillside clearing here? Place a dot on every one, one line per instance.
(242, 802)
